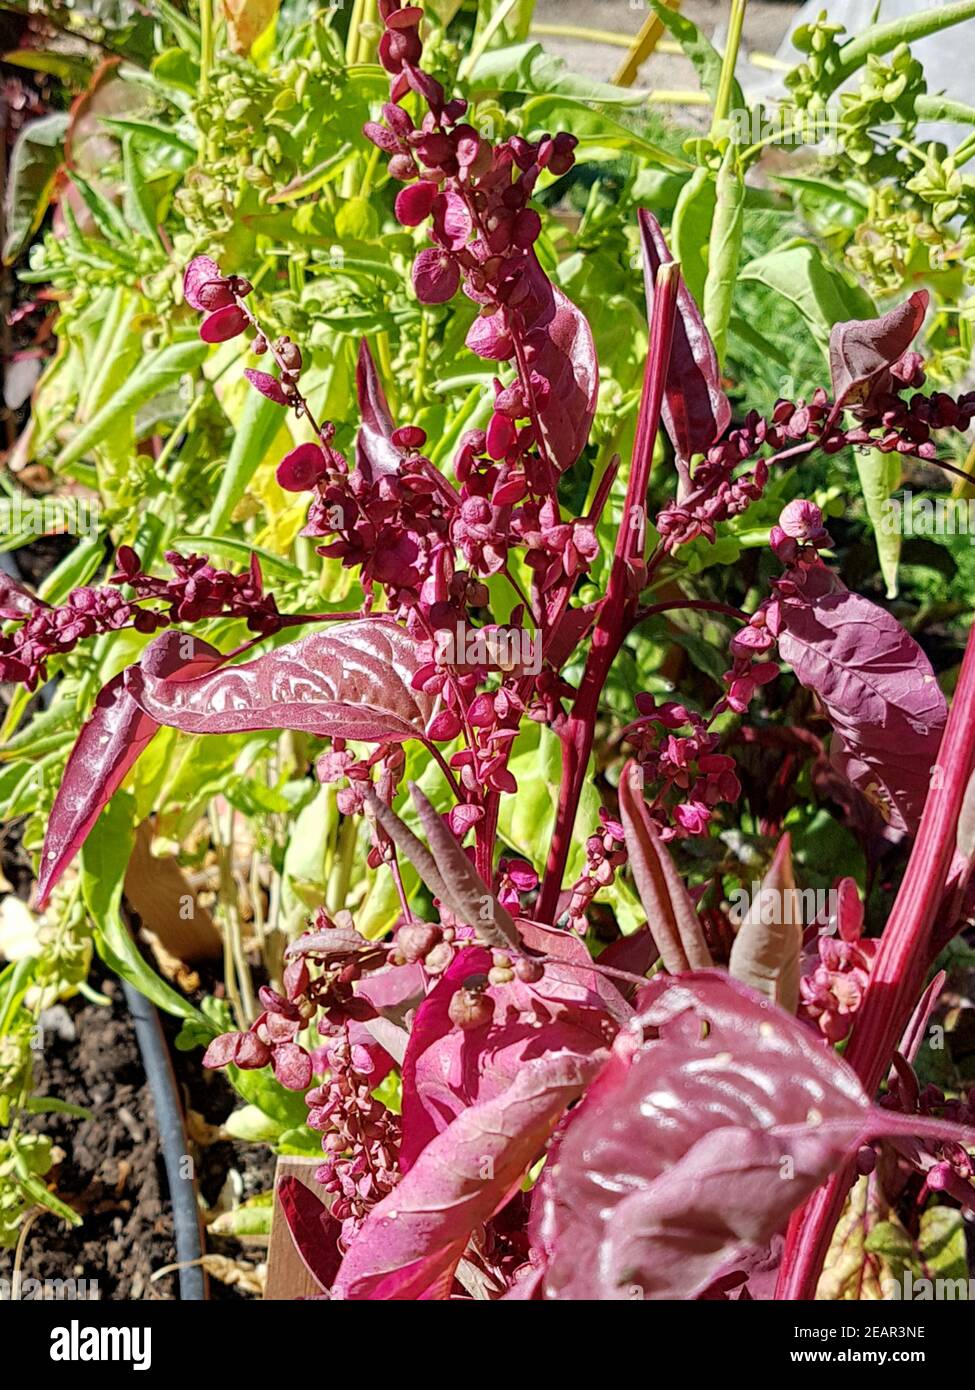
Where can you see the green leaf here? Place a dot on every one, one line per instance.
(239, 551)
(251, 1124)
(357, 218)
(38, 155)
(50, 1105)
(941, 1245)
(140, 206)
(36, 1190)
(73, 72)
(942, 108)
(262, 1090)
(526, 67)
(104, 859)
(527, 819)
(597, 131)
(798, 272)
(880, 475)
(690, 229)
(259, 423)
(159, 372)
(724, 249)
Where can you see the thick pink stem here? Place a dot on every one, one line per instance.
(622, 594)
(897, 975)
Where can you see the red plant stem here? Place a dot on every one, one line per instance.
(897, 975)
(622, 595)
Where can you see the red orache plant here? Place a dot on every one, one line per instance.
(699, 1100)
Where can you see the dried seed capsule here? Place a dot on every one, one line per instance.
(439, 959)
(470, 1009)
(529, 971)
(416, 940)
(500, 975)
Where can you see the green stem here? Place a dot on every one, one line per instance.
(722, 101)
(206, 45)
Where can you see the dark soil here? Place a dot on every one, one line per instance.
(112, 1172)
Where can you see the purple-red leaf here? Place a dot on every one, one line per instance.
(717, 1115)
(314, 1231)
(447, 1069)
(108, 745)
(767, 947)
(414, 1238)
(351, 681)
(375, 452)
(878, 690)
(861, 352)
(696, 411)
(671, 915)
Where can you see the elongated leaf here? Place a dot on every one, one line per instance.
(104, 859)
(313, 1229)
(417, 1234)
(259, 423)
(375, 451)
(157, 373)
(109, 744)
(880, 475)
(702, 53)
(38, 155)
(696, 410)
(671, 917)
(724, 250)
(799, 273)
(878, 690)
(470, 897)
(766, 951)
(349, 681)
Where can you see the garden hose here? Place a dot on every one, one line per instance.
(172, 1138)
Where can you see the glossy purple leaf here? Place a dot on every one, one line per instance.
(414, 1238)
(861, 352)
(714, 1119)
(375, 452)
(696, 411)
(109, 743)
(352, 680)
(877, 687)
(671, 915)
(447, 1069)
(717, 1115)
(314, 1231)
